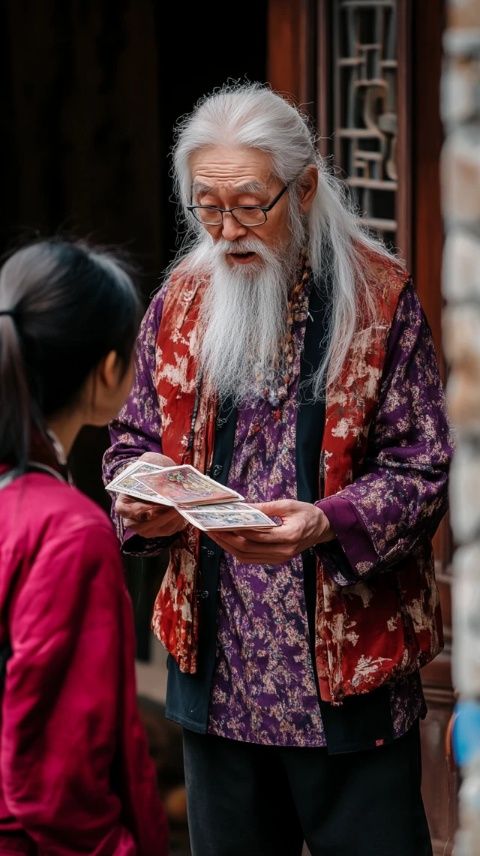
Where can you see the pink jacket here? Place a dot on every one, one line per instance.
(75, 775)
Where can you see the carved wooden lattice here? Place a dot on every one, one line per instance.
(364, 66)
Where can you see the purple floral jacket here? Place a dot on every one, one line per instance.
(378, 627)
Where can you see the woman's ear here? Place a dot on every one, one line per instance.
(108, 370)
(106, 389)
(102, 381)
(308, 187)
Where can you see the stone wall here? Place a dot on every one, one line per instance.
(461, 287)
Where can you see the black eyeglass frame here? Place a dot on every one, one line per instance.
(263, 208)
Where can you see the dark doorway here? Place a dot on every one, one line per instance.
(90, 92)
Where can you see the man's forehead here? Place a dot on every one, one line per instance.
(246, 169)
(203, 184)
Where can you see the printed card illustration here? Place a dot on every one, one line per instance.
(184, 485)
(227, 515)
(201, 500)
(128, 482)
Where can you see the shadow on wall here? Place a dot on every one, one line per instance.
(165, 742)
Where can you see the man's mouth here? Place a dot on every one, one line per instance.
(242, 258)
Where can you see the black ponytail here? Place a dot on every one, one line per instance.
(15, 413)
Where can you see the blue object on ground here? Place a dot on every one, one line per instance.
(466, 731)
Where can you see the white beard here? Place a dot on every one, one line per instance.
(244, 316)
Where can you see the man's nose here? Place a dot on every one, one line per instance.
(232, 229)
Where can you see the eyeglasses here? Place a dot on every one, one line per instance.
(246, 215)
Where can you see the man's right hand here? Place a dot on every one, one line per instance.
(147, 518)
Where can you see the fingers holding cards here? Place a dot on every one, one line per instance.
(148, 520)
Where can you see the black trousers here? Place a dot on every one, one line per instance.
(249, 800)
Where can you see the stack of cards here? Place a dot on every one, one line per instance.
(202, 501)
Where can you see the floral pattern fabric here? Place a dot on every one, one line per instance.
(264, 687)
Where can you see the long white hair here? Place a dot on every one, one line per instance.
(254, 116)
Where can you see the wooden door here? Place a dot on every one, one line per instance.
(368, 72)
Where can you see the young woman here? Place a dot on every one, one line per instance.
(75, 776)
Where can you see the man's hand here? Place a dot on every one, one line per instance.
(147, 518)
(303, 525)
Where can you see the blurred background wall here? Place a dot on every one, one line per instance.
(461, 286)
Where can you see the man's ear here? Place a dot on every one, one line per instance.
(308, 187)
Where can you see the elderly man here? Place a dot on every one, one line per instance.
(287, 356)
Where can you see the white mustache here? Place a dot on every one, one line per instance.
(248, 245)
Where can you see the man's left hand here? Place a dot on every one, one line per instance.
(302, 526)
